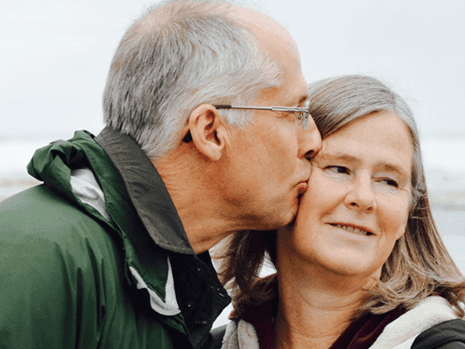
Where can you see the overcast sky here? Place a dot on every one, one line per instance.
(55, 55)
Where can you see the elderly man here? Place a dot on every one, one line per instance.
(112, 250)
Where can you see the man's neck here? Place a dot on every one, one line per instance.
(206, 217)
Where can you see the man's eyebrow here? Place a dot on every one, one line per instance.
(299, 100)
(302, 99)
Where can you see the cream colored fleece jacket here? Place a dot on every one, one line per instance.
(399, 334)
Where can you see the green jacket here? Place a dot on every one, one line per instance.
(97, 257)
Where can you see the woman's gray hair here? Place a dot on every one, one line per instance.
(419, 265)
(178, 55)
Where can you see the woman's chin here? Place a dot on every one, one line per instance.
(343, 264)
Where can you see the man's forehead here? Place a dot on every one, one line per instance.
(265, 28)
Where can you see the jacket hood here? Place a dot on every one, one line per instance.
(54, 164)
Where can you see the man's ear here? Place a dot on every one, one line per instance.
(208, 131)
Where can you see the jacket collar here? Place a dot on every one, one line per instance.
(86, 188)
(146, 190)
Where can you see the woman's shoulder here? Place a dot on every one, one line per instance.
(405, 330)
(446, 335)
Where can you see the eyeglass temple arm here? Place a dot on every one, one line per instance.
(227, 106)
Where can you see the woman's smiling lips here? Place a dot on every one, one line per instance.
(353, 228)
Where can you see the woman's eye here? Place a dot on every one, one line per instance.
(390, 182)
(338, 169)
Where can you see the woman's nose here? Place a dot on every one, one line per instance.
(361, 196)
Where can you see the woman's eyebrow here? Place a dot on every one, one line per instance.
(384, 165)
(387, 166)
(339, 156)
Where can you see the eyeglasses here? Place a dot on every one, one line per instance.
(302, 113)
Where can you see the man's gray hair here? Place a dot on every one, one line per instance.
(178, 55)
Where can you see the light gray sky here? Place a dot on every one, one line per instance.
(55, 55)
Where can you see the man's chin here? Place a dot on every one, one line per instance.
(278, 220)
(294, 211)
(291, 217)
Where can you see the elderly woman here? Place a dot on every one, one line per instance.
(363, 265)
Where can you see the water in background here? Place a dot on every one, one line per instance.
(444, 160)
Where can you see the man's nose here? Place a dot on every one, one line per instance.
(310, 140)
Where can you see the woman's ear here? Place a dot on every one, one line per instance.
(208, 131)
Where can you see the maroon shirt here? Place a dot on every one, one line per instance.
(360, 334)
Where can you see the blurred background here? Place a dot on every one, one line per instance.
(55, 56)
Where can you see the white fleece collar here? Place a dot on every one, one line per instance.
(399, 334)
(402, 332)
(240, 335)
